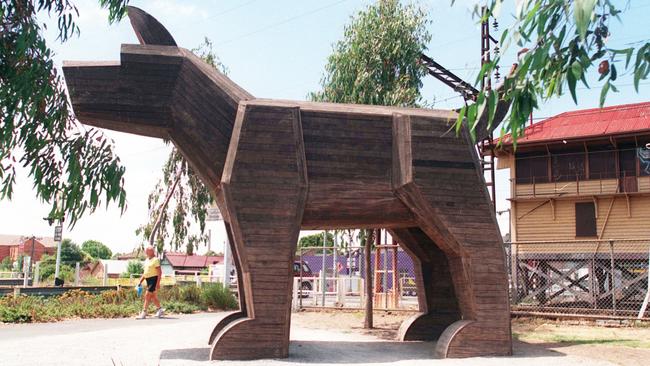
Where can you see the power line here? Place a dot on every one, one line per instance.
(231, 9)
(454, 41)
(287, 20)
(446, 99)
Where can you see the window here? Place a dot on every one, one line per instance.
(627, 161)
(531, 169)
(602, 164)
(585, 219)
(568, 166)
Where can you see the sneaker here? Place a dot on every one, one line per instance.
(160, 313)
(142, 315)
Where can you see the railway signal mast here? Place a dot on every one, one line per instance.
(469, 94)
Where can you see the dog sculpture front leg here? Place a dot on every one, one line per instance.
(263, 192)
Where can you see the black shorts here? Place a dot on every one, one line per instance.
(151, 283)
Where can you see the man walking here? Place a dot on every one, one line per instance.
(152, 274)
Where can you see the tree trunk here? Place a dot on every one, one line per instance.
(163, 207)
(367, 324)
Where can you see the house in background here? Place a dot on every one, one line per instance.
(14, 246)
(115, 268)
(183, 264)
(580, 207)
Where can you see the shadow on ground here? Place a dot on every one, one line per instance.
(358, 352)
(334, 352)
(190, 354)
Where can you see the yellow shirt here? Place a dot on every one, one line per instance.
(151, 266)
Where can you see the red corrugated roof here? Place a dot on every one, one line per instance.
(179, 260)
(586, 123)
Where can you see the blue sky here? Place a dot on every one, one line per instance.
(276, 49)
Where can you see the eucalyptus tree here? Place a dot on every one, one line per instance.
(558, 42)
(37, 128)
(377, 62)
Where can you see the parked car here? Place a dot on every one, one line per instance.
(307, 283)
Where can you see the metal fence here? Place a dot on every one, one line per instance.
(586, 277)
(599, 277)
(324, 277)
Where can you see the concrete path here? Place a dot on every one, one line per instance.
(181, 340)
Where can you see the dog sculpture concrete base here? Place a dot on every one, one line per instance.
(276, 167)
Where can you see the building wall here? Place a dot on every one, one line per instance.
(167, 269)
(25, 248)
(534, 220)
(4, 251)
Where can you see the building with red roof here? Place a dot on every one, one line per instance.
(182, 264)
(13, 246)
(580, 209)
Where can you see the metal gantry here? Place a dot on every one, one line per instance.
(487, 146)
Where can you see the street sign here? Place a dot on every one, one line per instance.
(214, 214)
(57, 232)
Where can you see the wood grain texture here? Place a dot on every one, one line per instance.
(276, 166)
(265, 230)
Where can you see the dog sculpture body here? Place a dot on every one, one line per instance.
(276, 167)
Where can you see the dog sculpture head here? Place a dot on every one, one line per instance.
(144, 94)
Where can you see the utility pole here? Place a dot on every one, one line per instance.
(58, 233)
(323, 275)
(368, 321)
(31, 260)
(486, 84)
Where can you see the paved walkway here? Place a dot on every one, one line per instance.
(181, 340)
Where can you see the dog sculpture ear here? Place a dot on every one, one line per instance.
(148, 29)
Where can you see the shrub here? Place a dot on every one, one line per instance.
(184, 293)
(14, 315)
(123, 295)
(216, 296)
(111, 304)
(47, 267)
(180, 307)
(7, 264)
(135, 268)
(190, 293)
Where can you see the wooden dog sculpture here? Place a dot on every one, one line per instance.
(277, 166)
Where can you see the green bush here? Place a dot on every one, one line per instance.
(47, 267)
(216, 296)
(135, 268)
(190, 293)
(14, 315)
(180, 307)
(7, 264)
(96, 249)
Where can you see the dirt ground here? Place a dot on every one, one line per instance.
(621, 344)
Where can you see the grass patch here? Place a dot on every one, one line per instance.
(545, 332)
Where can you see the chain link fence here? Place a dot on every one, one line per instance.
(597, 277)
(324, 277)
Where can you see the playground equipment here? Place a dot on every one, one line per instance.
(278, 166)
